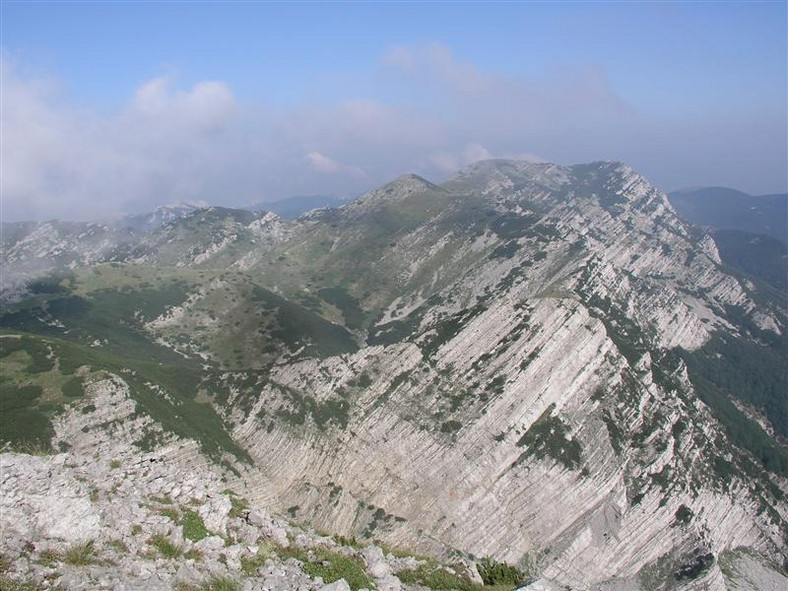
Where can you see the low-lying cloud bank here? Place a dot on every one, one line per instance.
(168, 143)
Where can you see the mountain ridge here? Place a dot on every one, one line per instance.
(540, 335)
(729, 209)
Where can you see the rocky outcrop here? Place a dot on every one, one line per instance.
(103, 515)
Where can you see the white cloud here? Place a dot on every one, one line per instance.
(62, 162)
(450, 162)
(475, 152)
(169, 143)
(443, 161)
(322, 163)
(527, 156)
(206, 107)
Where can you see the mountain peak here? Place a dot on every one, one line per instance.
(399, 189)
(500, 175)
(410, 183)
(506, 166)
(179, 206)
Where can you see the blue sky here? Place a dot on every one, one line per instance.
(119, 106)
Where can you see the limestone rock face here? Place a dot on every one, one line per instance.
(31, 507)
(104, 516)
(439, 436)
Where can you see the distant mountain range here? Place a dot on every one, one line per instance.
(159, 216)
(292, 208)
(751, 232)
(729, 209)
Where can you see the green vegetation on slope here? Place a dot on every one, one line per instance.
(432, 575)
(299, 327)
(750, 368)
(334, 410)
(88, 324)
(32, 389)
(761, 257)
(712, 378)
(548, 437)
(101, 330)
(108, 315)
(347, 304)
(22, 423)
(330, 566)
(499, 573)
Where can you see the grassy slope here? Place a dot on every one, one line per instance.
(97, 318)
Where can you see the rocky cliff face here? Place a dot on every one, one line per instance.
(496, 366)
(103, 515)
(534, 410)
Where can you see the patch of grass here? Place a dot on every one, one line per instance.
(547, 437)
(684, 515)
(396, 330)
(446, 329)
(49, 557)
(333, 410)
(22, 422)
(119, 546)
(239, 504)
(221, 584)
(8, 584)
(451, 427)
(193, 526)
(400, 552)
(616, 435)
(170, 512)
(347, 304)
(165, 547)
(437, 578)
(506, 250)
(250, 564)
(114, 464)
(193, 554)
(511, 226)
(72, 388)
(81, 554)
(695, 568)
(351, 542)
(332, 566)
(37, 352)
(499, 573)
(299, 327)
